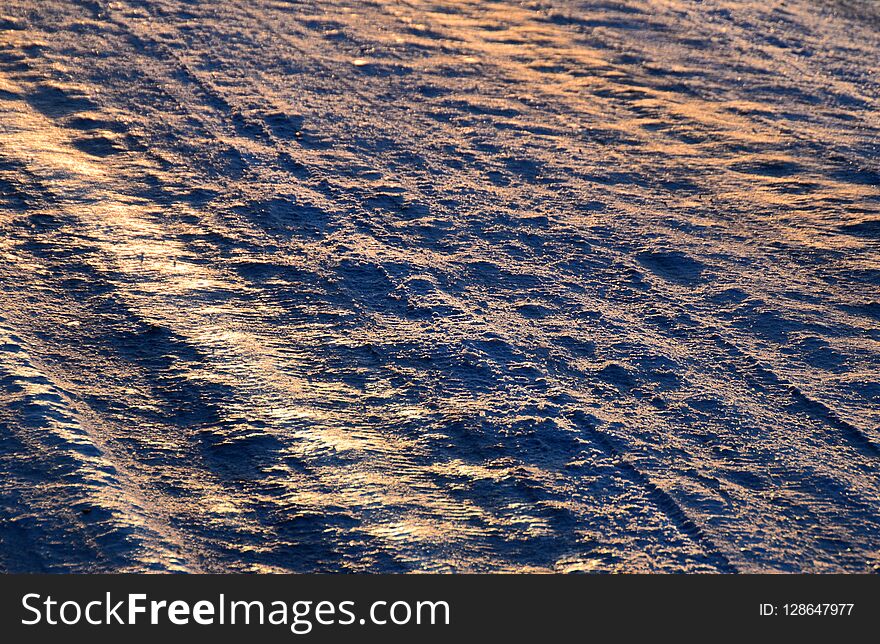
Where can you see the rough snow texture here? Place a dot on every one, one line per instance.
(442, 286)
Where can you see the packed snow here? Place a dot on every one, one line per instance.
(439, 285)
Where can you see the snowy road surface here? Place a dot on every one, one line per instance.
(402, 285)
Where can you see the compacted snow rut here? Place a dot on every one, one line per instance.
(439, 286)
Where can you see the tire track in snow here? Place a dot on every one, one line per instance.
(102, 522)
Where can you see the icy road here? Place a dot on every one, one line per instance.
(424, 285)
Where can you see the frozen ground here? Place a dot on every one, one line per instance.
(444, 286)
